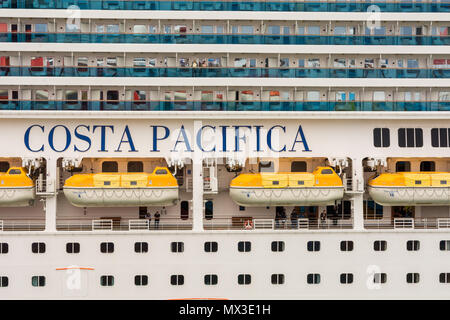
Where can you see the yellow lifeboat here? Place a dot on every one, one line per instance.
(411, 188)
(159, 188)
(16, 188)
(322, 187)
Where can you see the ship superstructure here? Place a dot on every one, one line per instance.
(224, 149)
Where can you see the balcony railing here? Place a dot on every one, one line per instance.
(224, 39)
(184, 105)
(118, 224)
(276, 224)
(408, 223)
(223, 72)
(309, 6)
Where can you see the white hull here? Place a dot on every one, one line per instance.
(16, 197)
(100, 197)
(403, 196)
(258, 197)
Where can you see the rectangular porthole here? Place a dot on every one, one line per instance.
(133, 183)
(443, 181)
(301, 183)
(106, 183)
(275, 183)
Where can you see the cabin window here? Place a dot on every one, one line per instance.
(211, 246)
(38, 281)
(210, 279)
(184, 210)
(141, 280)
(244, 279)
(177, 279)
(72, 247)
(381, 138)
(313, 278)
(209, 210)
(412, 278)
(427, 166)
(177, 247)
(440, 137)
(266, 166)
(444, 245)
(4, 282)
(4, 166)
(346, 245)
(413, 245)
(141, 247)
(244, 246)
(110, 166)
(277, 278)
(403, 166)
(135, 166)
(107, 247)
(379, 245)
(313, 246)
(444, 278)
(379, 278)
(346, 278)
(4, 248)
(298, 166)
(278, 246)
(38, 247)
(107, 281)
(410, 138)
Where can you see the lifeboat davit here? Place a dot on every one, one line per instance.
(411, 188)
(322, 187)
(159, 188)
(16, 188)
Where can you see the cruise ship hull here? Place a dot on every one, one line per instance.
(258, 197)
(102, 197)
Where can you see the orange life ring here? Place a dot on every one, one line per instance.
(248, 224)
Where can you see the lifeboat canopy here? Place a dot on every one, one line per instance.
(17, 189)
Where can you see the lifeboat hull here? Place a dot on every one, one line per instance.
(405, 196)
(259, 197)
(17, 196)
(121, 197)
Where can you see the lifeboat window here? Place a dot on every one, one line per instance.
(184, 210)
(4, 166)
(161, 171)
(443, 181)
(403, 166)
(135, 166)
(275, 182)
(209, 210)
(107, 183)
(298, 166)
(266, 166)
(418, 182)
(110, 166)
(133, 183)
(301, 182)
(427, 166)
(14, 171)
(327, 171)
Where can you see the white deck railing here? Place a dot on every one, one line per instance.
(403, 223)
(102, 224)
(1, 225)
(443, 222)
(141, 224)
